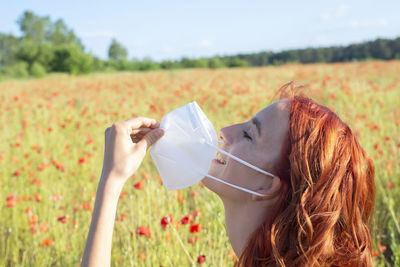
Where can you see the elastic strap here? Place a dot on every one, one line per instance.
(240, 160)
(235, 186)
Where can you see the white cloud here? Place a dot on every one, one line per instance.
(139, 44)
(206, 43)
(358, 24)
(339, 12)
(99, 34)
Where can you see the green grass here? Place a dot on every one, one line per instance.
(63, 119)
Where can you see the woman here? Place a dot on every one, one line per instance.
(316, 211)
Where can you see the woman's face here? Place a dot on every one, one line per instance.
(257, 141)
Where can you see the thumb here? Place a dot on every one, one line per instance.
(151, 137)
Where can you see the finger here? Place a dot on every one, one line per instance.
(106, 135)
(138, 122)
(138, 134)
(141, 131)
(151, 137)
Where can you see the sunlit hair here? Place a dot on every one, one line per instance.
(324, 212)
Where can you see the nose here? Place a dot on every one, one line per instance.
(222, 135)
(230, 134)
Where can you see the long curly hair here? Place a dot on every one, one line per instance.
(324, 212)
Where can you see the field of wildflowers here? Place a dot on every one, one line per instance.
(52, 145)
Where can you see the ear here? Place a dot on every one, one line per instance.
(269, 192)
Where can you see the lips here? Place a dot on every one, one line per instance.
(220, 159)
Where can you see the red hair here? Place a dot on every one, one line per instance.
(323, 215)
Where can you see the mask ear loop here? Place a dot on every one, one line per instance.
(238, 159)
(233, 185)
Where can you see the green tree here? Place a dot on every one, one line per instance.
(70, 58)
(37, 70)
(236, 62)
(215, 63)
(18, 70)
(116, 51)
(170, 65)
(35, 28)
(30, 52)
(61, 34)
(8, 49)
(98, 64)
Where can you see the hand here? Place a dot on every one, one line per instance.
(126, 143)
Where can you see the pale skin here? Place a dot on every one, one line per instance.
(244, 212)
(124, 151)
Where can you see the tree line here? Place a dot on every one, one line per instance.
(51, 46)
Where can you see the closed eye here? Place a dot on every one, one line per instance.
(246, 135)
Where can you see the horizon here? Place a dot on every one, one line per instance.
(178, 29)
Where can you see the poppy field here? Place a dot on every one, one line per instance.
(52, 148)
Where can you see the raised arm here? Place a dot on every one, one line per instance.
(126, 144)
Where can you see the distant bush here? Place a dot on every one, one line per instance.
(37, 70)
(194, 63)
(215, 63)
(18, 70)
(70, 58)
(170, 65)
(99, 64)
(236, 62)
(148, 64)
(133, 65)
(51, 46)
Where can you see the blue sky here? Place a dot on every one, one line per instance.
(172, 29)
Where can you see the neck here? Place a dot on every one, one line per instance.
(242, 219)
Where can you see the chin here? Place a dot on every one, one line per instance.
(211, 184)
(208, 182)
(215, 186)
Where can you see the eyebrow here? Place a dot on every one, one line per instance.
(258, 125)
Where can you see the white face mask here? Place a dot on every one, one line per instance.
(184, 153)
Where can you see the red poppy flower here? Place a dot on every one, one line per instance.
(11, 203)
(33, 219)
(201, 259)
(87, 205)
(41, 167)
(33, 228)
(11, 200)
(195, 228)
(44, 227)
(12, 197)
(62, 219)
(47, 242)
(89, 141)
(38, 197)
(146, 176)
(143, 230)
(187, 219)
(139, 185)
(390, 184)
(141, 255)
(28, 210)
(81, 160)
(165, 221)
(197, 213)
